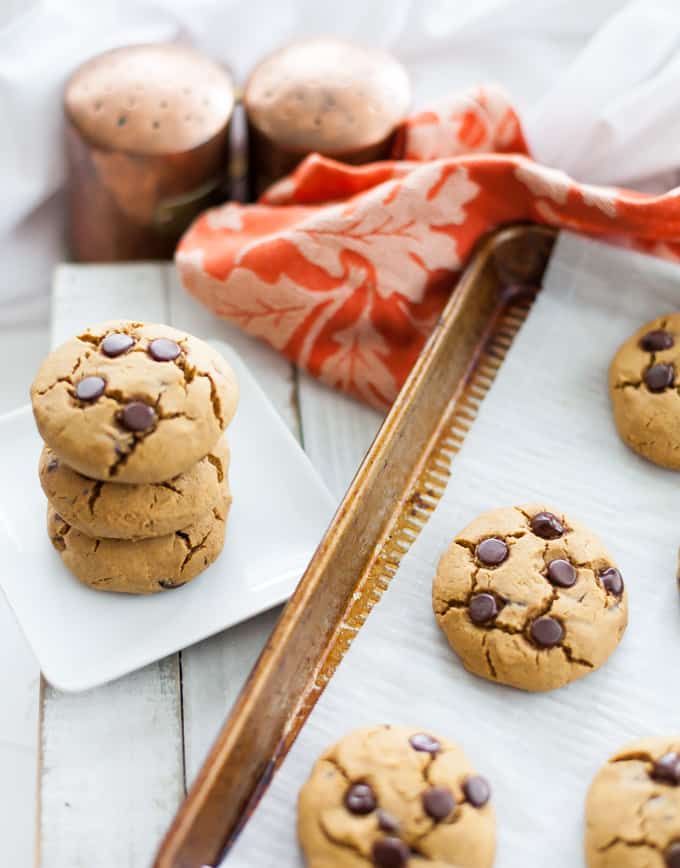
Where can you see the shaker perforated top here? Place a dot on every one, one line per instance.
(327, 95)
(149, 99)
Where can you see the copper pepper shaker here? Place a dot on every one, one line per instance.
(147, 136)
(337, 98)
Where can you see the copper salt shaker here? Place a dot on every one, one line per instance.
(147, 137)
(336, 98)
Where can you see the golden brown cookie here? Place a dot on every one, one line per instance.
(133, 402)
(643, 384)
(143, 566)
(111, 510)
(633, 807)
(392, 796)
(530, 598)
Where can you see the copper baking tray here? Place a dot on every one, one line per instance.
(389, 501)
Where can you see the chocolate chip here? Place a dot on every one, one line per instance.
(390, 853)
(164, 350)
(482, 608)
(547, 525)
(90, 388)
(659, 377)
(138, 416)
(424, 742)
(52, 464)
(672, 855)
(477, 791)
(386, 822)
(438, 802)
(612, 581)
(658, 339)
(360, 799)
(546, 632)
(492, 551)
(667, 769)
(562, 573)
(169, 586)
(116, 344)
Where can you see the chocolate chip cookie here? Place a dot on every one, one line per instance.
(633, 808)
(143, 566)
(644, 378)
(391, 796)
(530, 598)
(109, 510)
(133, 402)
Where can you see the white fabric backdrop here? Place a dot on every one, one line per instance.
(597, 81)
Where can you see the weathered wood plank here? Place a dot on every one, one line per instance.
(21, 351)
(213, 671)
(112, 772)
(337, 432)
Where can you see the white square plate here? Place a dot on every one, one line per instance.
(83, 638)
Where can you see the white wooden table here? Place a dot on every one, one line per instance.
(116, 761)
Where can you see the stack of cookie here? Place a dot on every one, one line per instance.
(135, 464)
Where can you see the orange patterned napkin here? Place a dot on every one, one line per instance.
(345, 269)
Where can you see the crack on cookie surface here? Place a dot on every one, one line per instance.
(192, 549)
(167, 484)
(95, 494)
(633, 756)
(217, 464)
(88, 338)
(628, 384)
(61, 531)
(123, 456)
(190, 372)
(572, 658)
(53, 385)
(215, 400)
(487, 657)
(58, 542)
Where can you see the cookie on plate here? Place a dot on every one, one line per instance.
(391, 796)
(528, 597)
(133, 402)
(633, 807)
(143, 566)
(107, 509)
(644, 378)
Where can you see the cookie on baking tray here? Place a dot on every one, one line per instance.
(644, 378)
(529, 598)
(133, 402)
(142, 566)
(633, 807)
(392, 796)
(107, 509)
